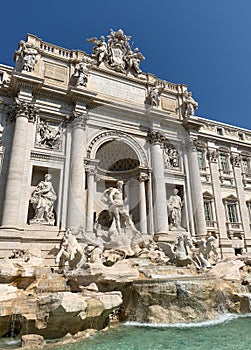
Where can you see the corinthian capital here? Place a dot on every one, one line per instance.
(24, 109)
(155, 137)
(212, 156)
(79, 119)
(236, 160)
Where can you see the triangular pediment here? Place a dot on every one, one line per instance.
(230, 198)
(207, 195)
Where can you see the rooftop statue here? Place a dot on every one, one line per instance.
(154, 93)
(117, 53)
(81, 73)
(27, 53)
(189, 105)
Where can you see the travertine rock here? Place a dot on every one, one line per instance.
(228, 270)
(32, 341)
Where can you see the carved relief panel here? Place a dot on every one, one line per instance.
(49, 135)
(171, 157)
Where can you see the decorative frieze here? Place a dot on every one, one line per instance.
(46, 157)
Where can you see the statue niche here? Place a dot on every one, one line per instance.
(42, 200)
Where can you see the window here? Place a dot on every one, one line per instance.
(224, 162)
(1, 78)
(246, 166)
(240, 136)
(208, 210)
(249, 210)
(219, 131)
(232, 212)
(200, 155)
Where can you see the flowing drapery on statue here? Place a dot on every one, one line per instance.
(42, 199)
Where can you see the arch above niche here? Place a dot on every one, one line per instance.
(116, 155)
(114, 135)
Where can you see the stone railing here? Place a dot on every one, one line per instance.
(234, 226)
(211, 224)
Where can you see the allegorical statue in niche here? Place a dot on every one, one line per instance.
(42, 199)
(113, 197)
(174, 205)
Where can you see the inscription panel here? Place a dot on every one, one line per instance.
(117, 89)
(55, 72)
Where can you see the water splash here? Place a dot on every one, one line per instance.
(222, 319)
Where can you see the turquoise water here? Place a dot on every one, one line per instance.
(228, 333)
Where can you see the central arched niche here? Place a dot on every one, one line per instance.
(117, 160)
(116, 156)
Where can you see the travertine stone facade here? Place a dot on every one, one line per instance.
(89, 120)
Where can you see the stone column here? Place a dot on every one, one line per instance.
(23, 113)
(150, 205)
(91, 190)
(236, 162)
(142, 203)
(220, 210)
(189, 205)
(159, 187)
(197, 196)
(76, 208)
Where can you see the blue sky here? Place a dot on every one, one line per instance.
(205, 44)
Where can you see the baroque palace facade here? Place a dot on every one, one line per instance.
(73, 124)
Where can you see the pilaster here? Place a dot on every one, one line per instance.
(236, 162)
(220, 210)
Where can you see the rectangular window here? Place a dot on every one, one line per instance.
(219, 131)
(224, 163)
(246, 166)
(240, 136)
(249, 210)
(208, 210)
(232, 212)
